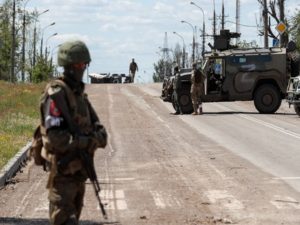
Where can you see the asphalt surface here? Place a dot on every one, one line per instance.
(231, 165)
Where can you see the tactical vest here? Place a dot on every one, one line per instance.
(80, 114)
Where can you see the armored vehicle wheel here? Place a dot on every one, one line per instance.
(267, 99)
(116, 81)
(297, 109)
(185, 101)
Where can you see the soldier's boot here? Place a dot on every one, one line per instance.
(195, 110)
(71, 221)
(180, 111)
(200, 109)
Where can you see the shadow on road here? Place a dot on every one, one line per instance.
(40, 221)
(246, 113)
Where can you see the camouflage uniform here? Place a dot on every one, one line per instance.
(176, 86)
(133, 67)
(66, 183)
(197, 90)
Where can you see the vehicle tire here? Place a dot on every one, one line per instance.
(185, 101)
(116, 80)
(267, 99)
(297, 109)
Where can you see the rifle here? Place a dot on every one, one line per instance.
(87, 161)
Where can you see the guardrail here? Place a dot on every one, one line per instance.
(14, 165)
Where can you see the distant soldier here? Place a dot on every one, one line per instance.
(69, 125)
(176, 86)
(197, 89)
(133, 67)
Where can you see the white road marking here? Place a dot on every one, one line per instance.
(222, 197)
(274, 127)
(286, 178)
(266, 124)
(165, 199)
(113, 199)
(285, 202)
(121, 204)
(158, 199)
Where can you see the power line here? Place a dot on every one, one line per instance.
(244, 25)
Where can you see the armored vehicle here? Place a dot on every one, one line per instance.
(241, 75)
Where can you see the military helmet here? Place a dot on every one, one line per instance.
(72, 52)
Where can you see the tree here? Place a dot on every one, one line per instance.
(42, 71)
(276, 11)
(162, 68)
(295, 29)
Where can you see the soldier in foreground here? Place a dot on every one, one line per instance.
(176, 87)
(69, 127)
(197, 89)
(133, 67)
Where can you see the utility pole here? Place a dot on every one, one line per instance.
(238, 12)
(24, 41)
(223, 16)
(265, 19)
(214, 21)
(283, 37)
(203, 28)
(166, 57)
(13, 44)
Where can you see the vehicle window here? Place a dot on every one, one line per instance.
(264, 58)
(238, 59)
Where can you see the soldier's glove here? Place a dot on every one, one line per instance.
(100, 136)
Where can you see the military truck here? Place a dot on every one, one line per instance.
(241, 75)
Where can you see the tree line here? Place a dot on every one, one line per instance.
(22, 58)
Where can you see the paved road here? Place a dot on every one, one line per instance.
(228, 166)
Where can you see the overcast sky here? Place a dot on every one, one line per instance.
(118, 30)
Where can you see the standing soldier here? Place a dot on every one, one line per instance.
(69, 125)
(133, 67)
(176, 87)
(197, 89)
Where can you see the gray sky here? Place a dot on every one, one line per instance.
(118, 30)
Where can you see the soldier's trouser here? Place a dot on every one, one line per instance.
(196, 98)
(132, 76)
(176, 102)
(66, 201)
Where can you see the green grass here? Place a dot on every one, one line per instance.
(19, 115)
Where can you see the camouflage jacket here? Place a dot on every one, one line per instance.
(58, 140)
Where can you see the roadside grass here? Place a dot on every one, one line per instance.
(19, 115)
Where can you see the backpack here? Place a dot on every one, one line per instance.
(35, 149)
(198, 76)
